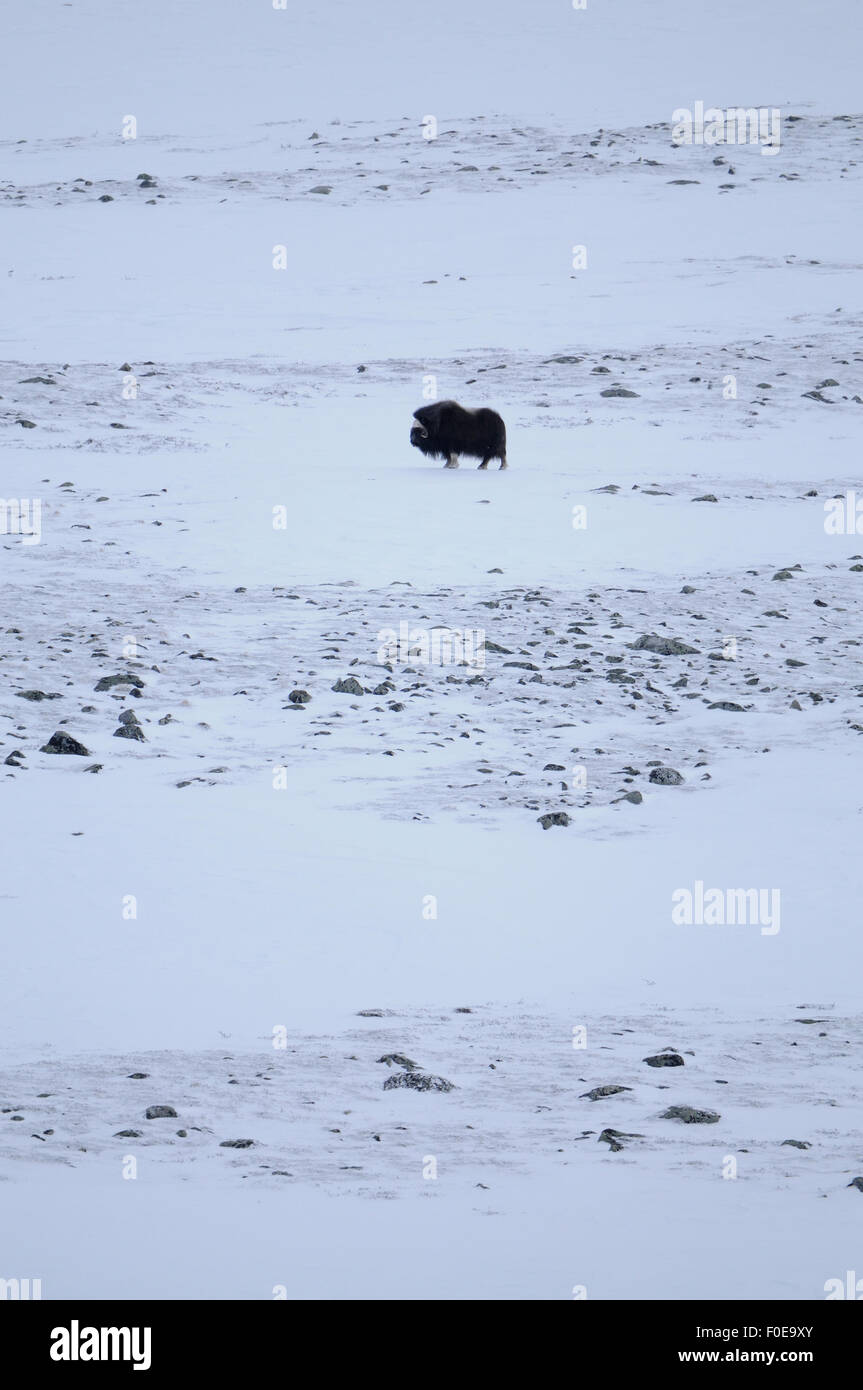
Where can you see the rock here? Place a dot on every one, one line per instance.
(65, 743)
(321, 188)
(687, 589)
(36, 695)
(783, 574)
(106, 198)
(417, 1081)
(600, 1092)
(350, 686)
(14, 757)
(634, 797)
(554, 767)
(618, 391)
(708, 497)
(664, 1059)
(856, 1182)
(727, 705)
(612, 1137)
(666, 777)
(299, 697)
(663, 646)
(131, 731)
(690, 1116)
(27, 424)
(137, 1076)
(128, 1134)
(553, 818)
(796, 1143)
(108, 682)
(160, 1112)
(398, 1059)
(373, 1013)
(237, 1144)
(129, 716)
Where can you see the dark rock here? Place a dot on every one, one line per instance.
(299, 697)
(664, 1059)
(128, 1134)
(349, 686)
(36, 695)
(618, 391)
(708, 497)
(236, 1144)
(666, 777)
(635, 797)
(612, 1138)
(600, 1092)
(727, 705)
(65, 743)
(131, 731)
(553, 818)
(856, 1182)
(398, 1059)
(663, 646)
(690, 1116)
(160, 1112)
(796, 1143)
(108, 682)
(417, 1081)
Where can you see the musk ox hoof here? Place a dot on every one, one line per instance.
(451, 463)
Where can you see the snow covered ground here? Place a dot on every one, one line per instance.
(240, 913)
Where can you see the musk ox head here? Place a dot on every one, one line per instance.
(446, 429)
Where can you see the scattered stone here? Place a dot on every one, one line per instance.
(618, 391)
(417, 1081)
(727, 705)
(65, 743)
(663, 646)
(634, 797)
(160, 1112)
(553, 818)
(664, 1059)
(398, 1059)
(612, 1138)
(666, 777)
(237, 1144)
(131, 731)
(708, 497)
(856, 1182)
(128, 1134)
(554, 767)
(600, 1092)
(299, 697)
(36, 695)
(796, 1143)
(690, 1116)
(350, 686)
(108, 682)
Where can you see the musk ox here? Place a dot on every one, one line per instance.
(446, 429)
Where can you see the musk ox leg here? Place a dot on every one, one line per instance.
(503, 463)
(452, 461)
(484, 463)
